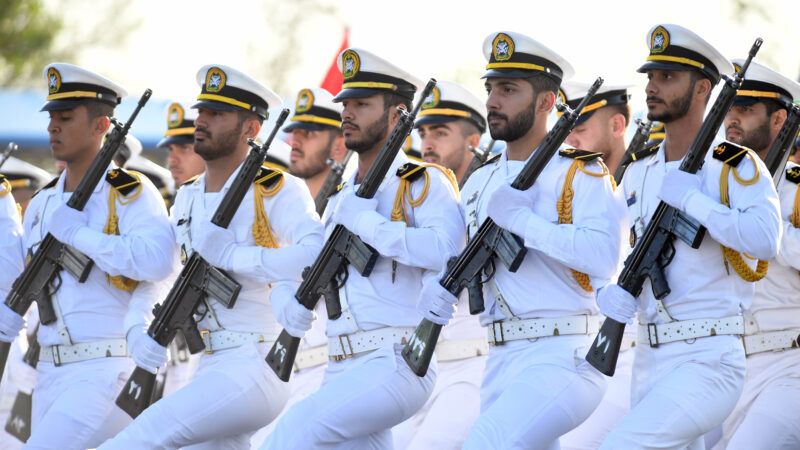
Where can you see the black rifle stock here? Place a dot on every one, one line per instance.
(637, 143)
(10, 148)
(197, 281)
(332, 181)
(655, 249)
(490, 241)
(328, 272)
(52, 256)
(779, 151)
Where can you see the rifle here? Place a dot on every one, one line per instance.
(655, 249)
(490, 241)
(332, 181)
(480, 157)
(19, 420)
(197, 281)
(52, 256)
(637, 143)
(329, 271)
(10, 148)
(779, 151)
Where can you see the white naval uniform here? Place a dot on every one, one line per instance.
(535, 390)
(762, 418)
(446, 418)
(683, 389)
(234, 392)
(12, 261)
(73, 404)
(363, 396)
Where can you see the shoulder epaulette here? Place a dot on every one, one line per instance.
(793, 174)
(268, 177)
(49, 185)
(583, 155)
(493, 159)
(645, 152)
(122, 181)
(730, 153)
(410, 171)
(190, 180)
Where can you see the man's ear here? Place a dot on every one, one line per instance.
(703, 87)
(777, 119)
(100, 125)
(617, 125)
(251, 129)
(545, 102)
(474, 140)
(338, 150)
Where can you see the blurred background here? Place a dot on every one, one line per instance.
(290, 45)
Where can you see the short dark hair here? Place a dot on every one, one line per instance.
(542, 83)
(97, 109)
(242, 115)
(696, 76)
(624, 109)
(773, 105)
(391, 100)
(468, 128)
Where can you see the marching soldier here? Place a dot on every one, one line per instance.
(182, 161)
(124, 229)
(601, 127)
(450, 122)
(274, 234)
(315, 137)
(539, 318)
(689, 366)
(772, 324)
(413, 222)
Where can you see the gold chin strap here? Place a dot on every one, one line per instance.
(404, 192)
(730, 256)
(262, 231)
(564, 208)
(112, 228)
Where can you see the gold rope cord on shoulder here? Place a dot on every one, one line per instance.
(794, 218)
(404, 193)
(112, 227)
(262, 231)
(564, 208)
(730, 256)
(6, 185)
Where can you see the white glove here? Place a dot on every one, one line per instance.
(10, 323)
(216, 245)
(677, 187)
(616, 303)
(66, 222)
(436, 303)
(511, 208)
(296, 318)
(358, 215)
(146, 352)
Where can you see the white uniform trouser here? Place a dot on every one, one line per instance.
(766, 415)
(535, 391)
(180, 374)
(17, 376)
(446, 418)
(615, 405)
(301, 384)
(360, 400)
(73, 405)
(233, 394)
(680, 391)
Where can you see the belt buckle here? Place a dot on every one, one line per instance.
(56, 355)
(344, 355)
(652, 330)
(205, 335)
(495, 325)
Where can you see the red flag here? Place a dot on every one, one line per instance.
(333, 79)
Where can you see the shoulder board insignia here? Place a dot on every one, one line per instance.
(583, 155)
(268, 177)
(50, 184)
(793, 174)
(410, 171)
(730, 153)
(122, 181)
(492, 159)
(644, 153)
(190, 180)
